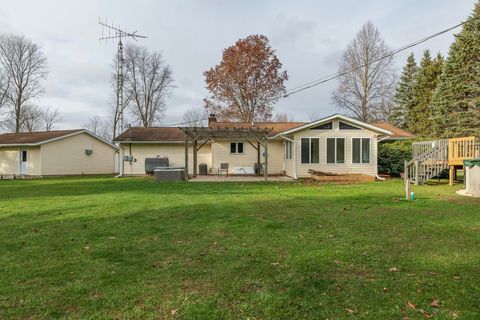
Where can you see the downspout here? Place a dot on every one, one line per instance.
(376, 152)
(294, 156)
(120, 161)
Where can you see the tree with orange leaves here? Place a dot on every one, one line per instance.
(247, 82)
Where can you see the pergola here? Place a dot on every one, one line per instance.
(199, 136)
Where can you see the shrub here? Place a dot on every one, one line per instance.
(392, 156)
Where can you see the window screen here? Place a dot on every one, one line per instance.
(330, 150)
(305, 144)
(365, 150)
(240, 147)
(356, 150)
(340, 150)
(314, 150)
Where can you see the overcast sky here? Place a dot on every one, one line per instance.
(308, 36)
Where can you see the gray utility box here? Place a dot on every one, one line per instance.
(202, 169)
(152, 163)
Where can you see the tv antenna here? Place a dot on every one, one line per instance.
(111, 32)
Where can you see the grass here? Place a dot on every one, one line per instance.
(99, 248)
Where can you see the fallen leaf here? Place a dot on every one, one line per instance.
(405, 318)
(432, 273)
(385, 290)
(435, 303)
(393, 269)
(275, 263)
(86, 247)
(420, 290)
(173, 311)
(410, 305)
(425, 314)
(339, 288)
(456, 277)
(349, 310)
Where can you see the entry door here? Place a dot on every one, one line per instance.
(23, 161)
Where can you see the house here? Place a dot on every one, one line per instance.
(52, 153)
(337, 144)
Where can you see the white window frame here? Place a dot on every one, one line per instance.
(236, 148)
(309, 151)
(344, 151)
(361, 150)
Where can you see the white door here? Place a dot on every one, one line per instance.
(23, 161)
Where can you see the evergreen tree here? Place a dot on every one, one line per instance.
(456, 103)
(426, 81)
(403, 99)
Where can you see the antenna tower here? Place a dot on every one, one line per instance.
(111, 32)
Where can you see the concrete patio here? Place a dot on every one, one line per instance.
(239, 178)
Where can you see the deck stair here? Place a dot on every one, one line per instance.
(431, 158)
(428, 163)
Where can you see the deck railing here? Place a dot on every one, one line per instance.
(460, 149)
(421, 147)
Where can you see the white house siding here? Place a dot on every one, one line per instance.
(348, 166)
(221, 154)
(67, 156)
(10, 161)
(175, 152)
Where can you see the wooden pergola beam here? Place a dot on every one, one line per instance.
(205, 134)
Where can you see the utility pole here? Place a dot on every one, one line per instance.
(111, 32)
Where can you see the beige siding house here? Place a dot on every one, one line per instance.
(53, 153)
(337, 144)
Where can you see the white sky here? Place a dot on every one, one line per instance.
(309, 37)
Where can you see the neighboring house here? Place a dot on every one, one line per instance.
(52, 153)
(336, 144)
(397, 133)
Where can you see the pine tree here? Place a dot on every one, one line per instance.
(403, 99)
(425, 84)
(456, 103)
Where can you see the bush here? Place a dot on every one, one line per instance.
(392, 156)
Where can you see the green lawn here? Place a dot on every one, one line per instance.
(99, 248)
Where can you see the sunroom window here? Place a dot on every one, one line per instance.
(310, 150)
(361, 150)
(335, 150)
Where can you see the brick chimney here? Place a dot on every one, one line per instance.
(212, 119)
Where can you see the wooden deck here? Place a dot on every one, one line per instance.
(430, 158)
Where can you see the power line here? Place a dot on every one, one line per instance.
(391, 54)
(181, 123)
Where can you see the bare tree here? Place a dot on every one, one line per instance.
(25, 66)
(148, 81)
(31, 118)
(49, 118)
(283, 117)
(313, 116)
(368, 79)
(99, 126)
(195, 117)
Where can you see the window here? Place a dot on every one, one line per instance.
(24, 155)
(361, 150)
(310, 150)
(288, 150)
(236, 147)
(335, 150)
(324, 126)
(346, 126)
